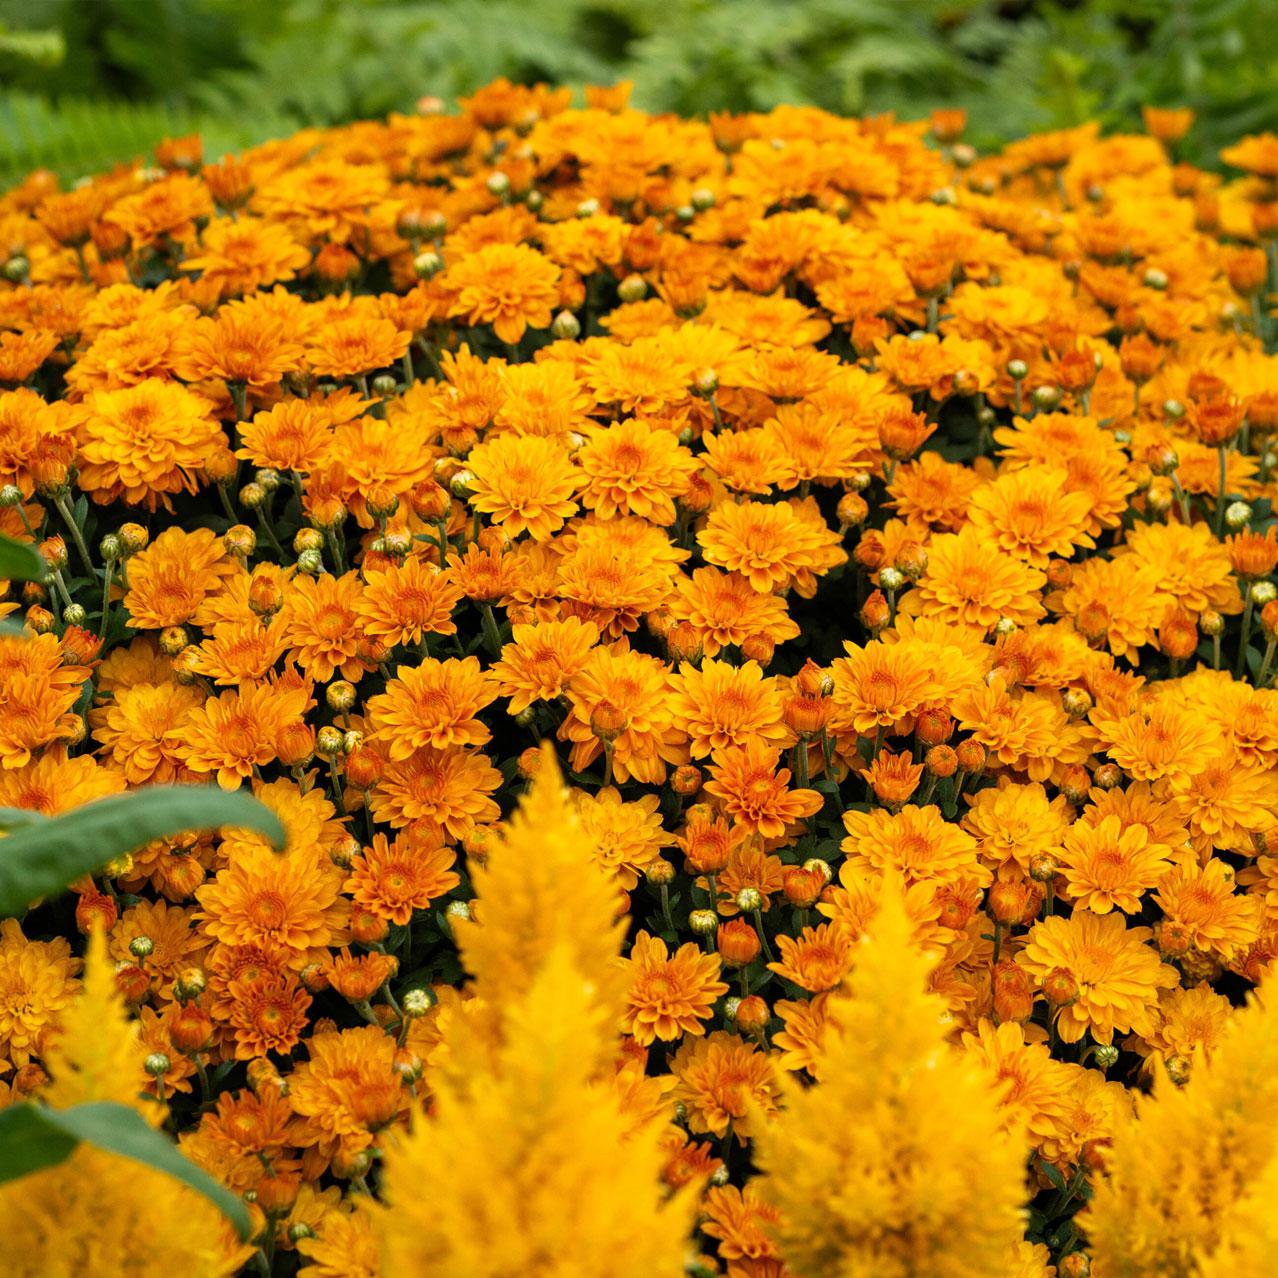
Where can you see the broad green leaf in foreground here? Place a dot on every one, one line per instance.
(20, 561)
(42, 858)
(33, 1137)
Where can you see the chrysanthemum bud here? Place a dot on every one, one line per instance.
(1263, 593)
(704, 922)
(1173, 409)
(384, 385)
(157, 1064)
(191, 983)
(417, 1002)
(54, 551)
(875, 613)
(300, 1230)
(1012, 990)
(659, 872)
(1211, 622)
(941, 761)
(328, 742)
(1075, 1265)
(1108, 776)
(1010, 901)
(458, 910)
(311, 562)
(971, 756)
(1043, 867)
(852, 510)
(1178, 1069)
(95, 909)
(1046, 397)
(802, 887)
(752, 1014)
(141, 947)
(634, 288)
(891, 579)
(749, 899)
(73, 614)
(1059, 987)
(738, 943)
(686, 780)
(1155, 279)
(1237, 515)
(1105, 1055)
(566, 326)
(252, 495)
(1017, 370)
(1076, 702)
(190, 1029)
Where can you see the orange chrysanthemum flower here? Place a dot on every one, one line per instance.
(1031, 514)
(172, 578)
(723, 1082)
(239, 255)
(620, 696)
(392, 879)
(754, 794)
(262, 898)
(243, 344)
(402, 603)
(968, 582)
(916, 843)
(1107, 867)
(724, 610)
(627, 837)
(634, 467)
(670, 994)
(444, 794)
(143, 443)
(524, 482)
(817, 960)
(268, 1014)
(141, 730)
(321, 626)
(432, 705)
(1117, 973)
(542, 660)
(240, 730)
(510, 286)
(720, 705)
(772, 546)
(356, 345)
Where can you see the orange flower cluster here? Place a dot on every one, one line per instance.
(845, 507)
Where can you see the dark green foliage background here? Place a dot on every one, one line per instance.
(88, 83)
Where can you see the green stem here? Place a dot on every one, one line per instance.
(1222, 480)
(1245, 639)
(68, 516)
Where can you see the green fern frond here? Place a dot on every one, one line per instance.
(77, 136)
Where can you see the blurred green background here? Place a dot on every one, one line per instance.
(87, 83)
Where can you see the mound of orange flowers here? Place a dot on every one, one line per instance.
(877, 534)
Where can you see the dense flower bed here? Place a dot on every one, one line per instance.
(879, 537)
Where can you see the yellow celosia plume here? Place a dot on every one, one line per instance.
(896, 1164)
(541, 887)
(98, 1055)
(525, 1167)
(528, 1163)
(1191, 1174)
(98, 1213)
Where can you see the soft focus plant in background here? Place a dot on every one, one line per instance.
(87, 85)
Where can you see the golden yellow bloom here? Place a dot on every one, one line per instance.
(143, 443)
(542, 660)
(510, 286)
(627, 837)
(1118, 974)
(720, 705)
(37, 982)
(1108, 867)
(670, 994)
(433, 704)
(915, 843)
(725, 1083)
(524, 482)
(772, 546)
(1030, 514)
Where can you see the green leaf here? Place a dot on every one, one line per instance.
(20, 561)
(44, 858)
(13, 818)
(33, 1138)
